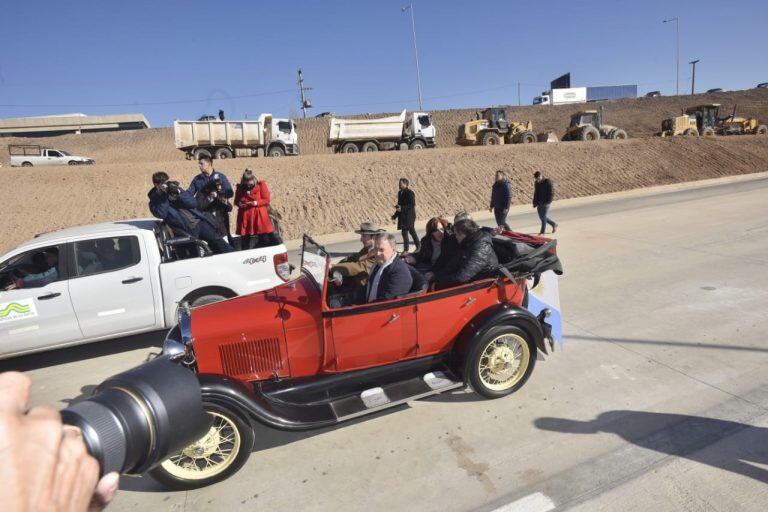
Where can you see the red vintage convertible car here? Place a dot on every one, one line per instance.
(285, 359)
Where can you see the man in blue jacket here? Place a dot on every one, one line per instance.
(206, 176)
(390, 277)
(178, 208)
(501, 199)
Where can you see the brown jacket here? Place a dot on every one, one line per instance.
(358, 266)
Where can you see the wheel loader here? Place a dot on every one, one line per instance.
(493, 129)
(684, 124)
(588, 125)
(710, 123)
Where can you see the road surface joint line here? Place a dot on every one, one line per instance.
(661, 363)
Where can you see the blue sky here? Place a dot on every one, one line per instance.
(156, 57)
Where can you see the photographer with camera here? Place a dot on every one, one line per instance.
(212, 201)
(178, 208)
(207, 175)
(45, 463)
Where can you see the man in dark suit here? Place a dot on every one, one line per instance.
(390, 277)
(405, 213)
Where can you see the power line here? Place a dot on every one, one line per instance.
(144, 104)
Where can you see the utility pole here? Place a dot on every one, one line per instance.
(693, 77)
(677, 37)
(305, 103)
(518, 94)
(409, 7)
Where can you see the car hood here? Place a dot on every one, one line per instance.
(248, 337)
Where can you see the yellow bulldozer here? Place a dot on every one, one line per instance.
(684, 124)
(493, 129)
(709, 122)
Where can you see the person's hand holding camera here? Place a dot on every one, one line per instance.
(45, 463)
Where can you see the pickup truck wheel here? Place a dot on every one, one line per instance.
(500, 361)
(276, 151)
(206, 299)
(26, 164)
(223, 153)
(73, 162)
(213, 458)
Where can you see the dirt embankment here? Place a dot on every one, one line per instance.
(328, 193)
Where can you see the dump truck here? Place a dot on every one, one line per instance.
(588, 125)
(29, 155)
(684, 124)
(411, 131)
(229, 139)
(710, 123)
(492, 129)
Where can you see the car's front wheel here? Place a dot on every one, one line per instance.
(212, 458)
(500, 361)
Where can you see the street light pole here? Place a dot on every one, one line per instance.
(693, 77)
(677, 38)
(409, 7)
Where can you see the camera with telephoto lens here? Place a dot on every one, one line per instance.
(173, 188)
(140, 417)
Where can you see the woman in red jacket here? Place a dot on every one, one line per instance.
(253, 222)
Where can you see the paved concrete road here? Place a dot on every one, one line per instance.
(658, 402)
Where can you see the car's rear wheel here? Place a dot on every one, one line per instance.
(219, 454)
(500, 361)
(26, 164)
(73, 162)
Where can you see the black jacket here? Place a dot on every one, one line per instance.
(395, 280)
(476, 257)
(543, 192)
(501, 195)
(406, 217)
(218, 209)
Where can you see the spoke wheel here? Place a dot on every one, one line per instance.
(209, 456)
(499, 361)
(212, 458)
(503, 362)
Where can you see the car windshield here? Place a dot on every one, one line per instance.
(314, 260)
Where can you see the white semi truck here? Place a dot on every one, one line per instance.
(562, 96)
(411, 131)
(31, 155)
(229, 139)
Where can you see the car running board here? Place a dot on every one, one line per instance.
(380, 398)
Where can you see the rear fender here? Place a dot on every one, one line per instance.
(501, 314)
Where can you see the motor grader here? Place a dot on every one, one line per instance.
(710, 123)
(684, 124)
(493, 129)
(588, 125)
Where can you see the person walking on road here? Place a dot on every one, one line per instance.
(405, 213)
(501, 199)
(543, 195)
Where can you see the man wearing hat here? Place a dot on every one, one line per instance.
(350, 275)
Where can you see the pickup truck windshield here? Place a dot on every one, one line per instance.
(314, 260)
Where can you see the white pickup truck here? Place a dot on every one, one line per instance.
(119, 278)
(30, 155)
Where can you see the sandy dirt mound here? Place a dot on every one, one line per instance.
(321, 194)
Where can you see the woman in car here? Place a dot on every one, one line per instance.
(431, 246)
(253, 222)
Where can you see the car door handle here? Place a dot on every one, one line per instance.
(393, 318)
(48, 296)
(132, 280)
(470, 301)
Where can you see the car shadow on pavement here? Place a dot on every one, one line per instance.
(681, 436)
(83, 352)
